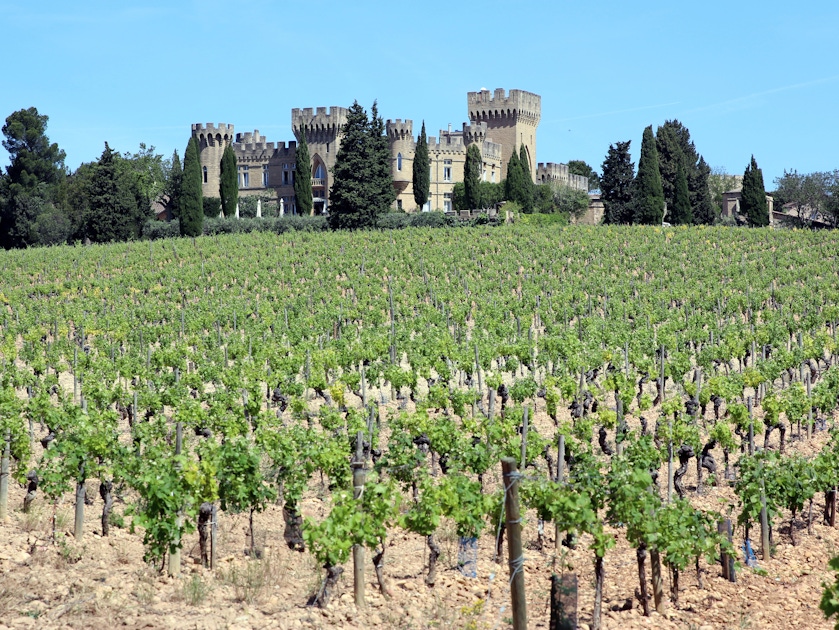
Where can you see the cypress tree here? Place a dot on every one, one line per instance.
(616, 184)
(527, 181)
(753, 198)
(680, 212)
(648, 197)
(381, 176)
(176, 176)
(517, 187)
(422, 174)
(190, 202)
(303, 176)
(229, 182)
(472, 177)
(703, 206)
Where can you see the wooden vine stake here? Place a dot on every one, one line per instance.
(4, 477)
(358, 478)
(514, 547)
(175, 556)
(563, 602)
(727, 561)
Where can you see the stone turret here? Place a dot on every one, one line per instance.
(323, 129)
(400, 137)
(212, 141)
(511, 121)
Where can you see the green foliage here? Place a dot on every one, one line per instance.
(362, 189)
(517, 185)
(173, 188)
(580, 167)
(422, 171)
(212, 207)
(472, 177)
(647, 194)
(753, 197)
(190, 205)
(229, 182)
(829, 603)
(116, 206)
(616, 184)
(33, 178)
(242, 485)
(303, 175)
(681, 213)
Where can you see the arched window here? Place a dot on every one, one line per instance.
(205, 174)
(398, 161)
(319, 172)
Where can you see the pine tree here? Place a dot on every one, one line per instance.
(647, 196)
(616, 184)
(176, 176)
(680, 212)
(116, 204)
(228, 182)
(753, 198)
(472, 177)
(303, 176)
(422, 174)
(190, 202)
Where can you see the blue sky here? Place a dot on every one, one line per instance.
(746, 77)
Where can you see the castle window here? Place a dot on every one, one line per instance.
(327, 147)
(319, 172)
(245, 177)
(492, 175)
(265, 176)
(285, 177)
(398, 161)
(205, 174)
(399, 205)
(447, 202)
(447, 170)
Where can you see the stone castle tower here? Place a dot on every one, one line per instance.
(212, 141)
(511, 121)
(400, 137)
(323, 131)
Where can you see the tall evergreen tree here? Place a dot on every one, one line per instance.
(472, 177)
(176, 176)
(527, 200)
(190, 204)
(303, 176)
(117, 208)
(517, 185)
(362, 186)
(647, 195)
(753, 198)
(616, 184)
(422, 172)
(33, 178)
(381, 176)
(680, 212)
(703, 206)
(228, 182)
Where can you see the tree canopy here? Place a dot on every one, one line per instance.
(191, 207)
(228, 182)
(303, 176)
(753, 197)
(648, 197)
(579, 167)
(472, 176)
(421, 174)
(616, 184)
(362, 187)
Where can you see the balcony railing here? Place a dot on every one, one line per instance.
(318, 183)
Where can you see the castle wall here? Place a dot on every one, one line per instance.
(323, 136)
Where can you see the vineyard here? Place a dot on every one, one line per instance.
(212, 432)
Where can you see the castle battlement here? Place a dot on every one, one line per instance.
(447, 143)
(547, 173)
(475, 132)
(491, 150)
(518, 105)
(210, 128)
(398, 130)
(332, 119)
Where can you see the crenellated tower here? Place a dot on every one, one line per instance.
(511, 120)
(323, 129)
(212, 141)
(400, 137)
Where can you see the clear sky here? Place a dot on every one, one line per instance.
(745, 76)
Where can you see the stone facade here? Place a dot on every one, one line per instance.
(499, 123)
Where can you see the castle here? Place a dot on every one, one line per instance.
(499, 123)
